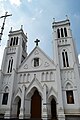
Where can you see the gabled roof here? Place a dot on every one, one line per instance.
(44, 59)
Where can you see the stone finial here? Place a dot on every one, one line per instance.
(11, 29)
(53, 19)
(21, 26)
(67, 17)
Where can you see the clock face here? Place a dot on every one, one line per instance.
(36, 62)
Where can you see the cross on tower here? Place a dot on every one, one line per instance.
(36, 41)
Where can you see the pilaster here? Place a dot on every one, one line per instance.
(44, 105)
(21, 116)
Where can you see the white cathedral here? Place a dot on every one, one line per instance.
(36, 87)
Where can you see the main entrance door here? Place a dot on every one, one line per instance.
(36, 105)
(53, 109)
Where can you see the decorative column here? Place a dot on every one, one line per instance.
(21, 115)
(44, 105)
(60, 109)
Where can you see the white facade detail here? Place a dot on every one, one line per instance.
(35, 86)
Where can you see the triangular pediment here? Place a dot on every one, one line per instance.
(52, 92)
(45, 63)
(34, 84)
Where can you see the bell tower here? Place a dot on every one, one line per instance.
(16, 50)
(66, 59)
(64, 44)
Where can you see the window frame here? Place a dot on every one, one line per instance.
(36, 62)
(65, 58)
(69, 94)
(5, 98)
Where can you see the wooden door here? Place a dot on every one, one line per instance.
(36, 105)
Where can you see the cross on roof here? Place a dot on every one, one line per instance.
(36, 41)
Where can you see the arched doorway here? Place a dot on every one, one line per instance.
(16, 104)
(18, 107)
(36, 105)
(53, 109)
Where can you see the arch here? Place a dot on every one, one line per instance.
(35, 84)
(52, 94)
(62, 35)
(10, 64)
(58, 33)
(51, 97)
(43, 76)
(16, 40)
(47, 76)
(53, 106)
(36, 105)
(32, 92)
(68, 85)
(16, 106)
(6, 89)
(5, 95)
(18, 93)
(53, 109)
(11, 42)
(28, 77)
(51, 76)
(65, 32)
(65, 58)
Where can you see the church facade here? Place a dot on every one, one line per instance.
(36, 86)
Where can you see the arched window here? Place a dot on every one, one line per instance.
(10, 65)
(5, 99)
(65, 32)
(36, 62)
(62, 35)
(51, 76)
(47, 76)
(70, 97)
(58, 33)
(11, 42)
(5, 96)
(67, 63)
(16, 40)
(65, 58)
(28, 77)
(23, 45)
(43, 76)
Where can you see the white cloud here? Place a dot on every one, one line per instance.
(79, 58)
(29, 1)
(41, 11)
(33, 18)
(15, 2)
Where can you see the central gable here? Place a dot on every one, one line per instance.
(36, 60)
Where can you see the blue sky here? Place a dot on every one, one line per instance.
(36, 16)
